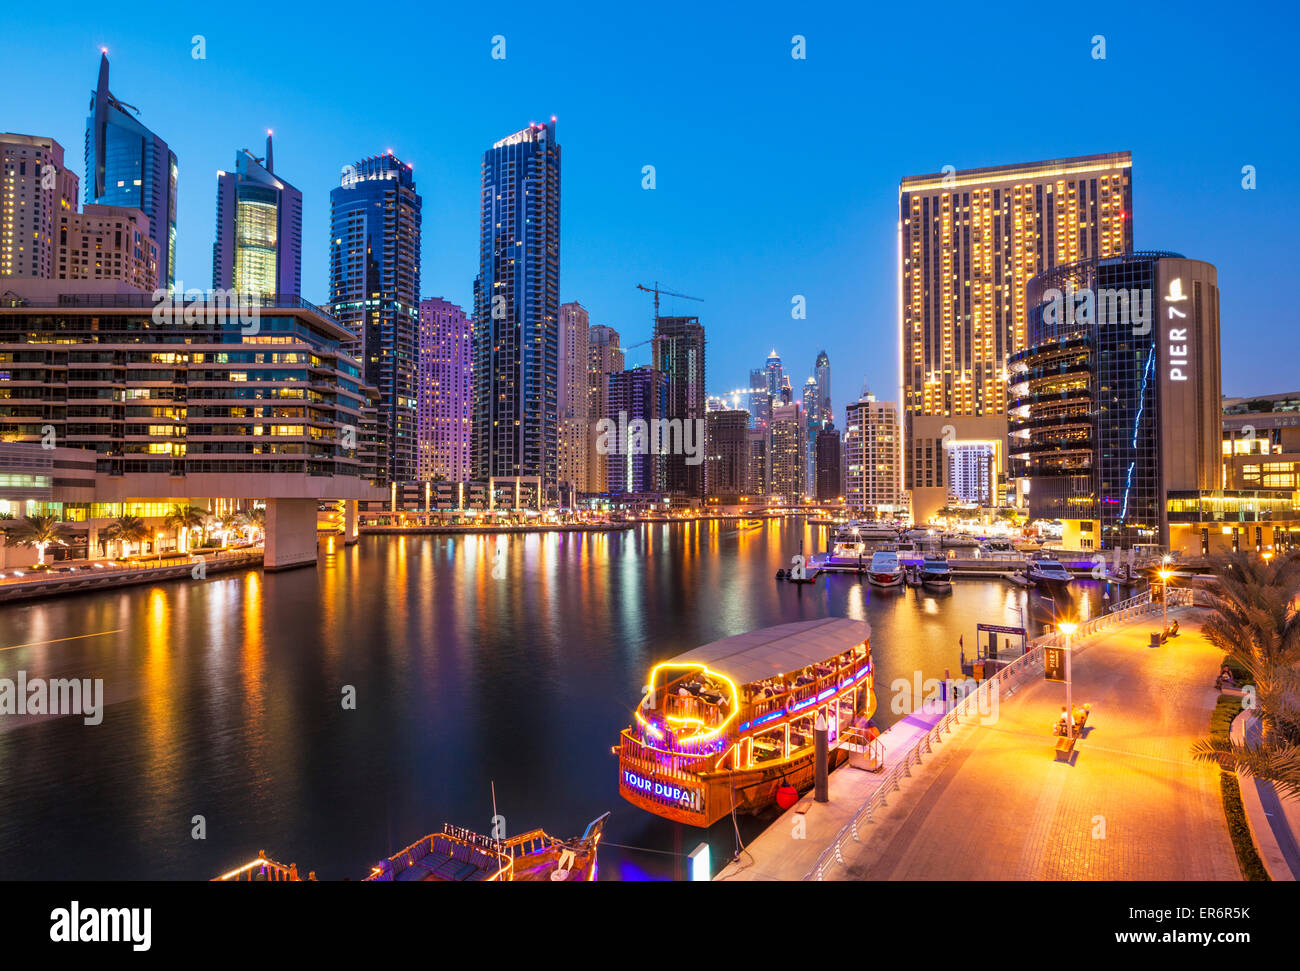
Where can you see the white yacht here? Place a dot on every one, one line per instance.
(1048, 574)
(936, 574)
(885, 570)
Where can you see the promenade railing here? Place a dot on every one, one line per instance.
(979, 702)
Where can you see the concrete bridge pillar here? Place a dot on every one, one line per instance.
(349, 521)
(290, 533)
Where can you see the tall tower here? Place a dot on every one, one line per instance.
(129, 166)
(259, 229)
(679, 354)
(375, 291)
(36, 191)
(517, 303)
(969, 242)
(822, 372)
(605, 358)
(574, 402)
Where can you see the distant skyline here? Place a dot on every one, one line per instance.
(775, 177)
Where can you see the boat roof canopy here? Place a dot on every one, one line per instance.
(765, 653)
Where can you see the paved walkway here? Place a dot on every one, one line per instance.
(993, 803)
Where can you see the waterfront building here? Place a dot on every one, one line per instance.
(969, 241)
(829, 484)
(726, 469)
(375, 224)
(188, 408)
(1115, 407)
(129, 166)
(788, 452)
(107, 243)
(760, 473)
(636, 465)
(679, 356)
(259, 228)
(574, 400)
(517, 302)
(1261, 442)
(872, 456)
(35, 191)
(444, 380)
(605, 357)
(972, 473)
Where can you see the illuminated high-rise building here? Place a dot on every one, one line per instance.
(604, 357)
(574, 400)
(969, 242)
(517, 305)
(259, 229)
(128, 166)
(443, 408)
(872, 456)
(375, 226)
(679, 355)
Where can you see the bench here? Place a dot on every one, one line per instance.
(1157, 638)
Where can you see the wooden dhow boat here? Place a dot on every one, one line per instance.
(461, 855)
(724, 726)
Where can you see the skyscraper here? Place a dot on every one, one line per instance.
(822, 372)
(128, 165)
(828, 483)
(813, 422)
(375, 290)
(443, 398)
(574, 400)
(679, 354)
(35, 191)
(760, 399)
(727, 456)
(107, 243)
(773, 373)
(605, 358)
(872, 456)
(259, 228)
(969, 242)
(787, 453)
(517, 302)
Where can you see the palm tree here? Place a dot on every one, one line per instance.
(38, 531)
(124, 530)
(256, 517)
(231, 523)
(1255, 621)
(183, 519)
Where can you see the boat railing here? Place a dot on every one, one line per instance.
(263, 869)
(978, 703)
(692, 706)
(680, 766)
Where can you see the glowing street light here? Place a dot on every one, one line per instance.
(1068, 627)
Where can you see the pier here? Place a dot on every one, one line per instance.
(971, 797)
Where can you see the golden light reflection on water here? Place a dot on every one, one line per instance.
(161, 767)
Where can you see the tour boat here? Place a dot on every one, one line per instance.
(885, 570)
(936, 574)
(461, 855)
(1047, 574)
(722, 727)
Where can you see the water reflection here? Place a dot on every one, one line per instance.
(226, 695)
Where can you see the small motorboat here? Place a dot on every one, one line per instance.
(885, 570)
(936, 575)
(1048, 574)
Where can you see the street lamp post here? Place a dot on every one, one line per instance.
(1068, 628)
(1164, 589)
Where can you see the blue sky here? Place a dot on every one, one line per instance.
(775, 176)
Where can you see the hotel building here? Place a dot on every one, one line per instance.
(259, 228)
(128, 166)
(375, 221)
(516, 309)
(872, 457)
(444, 382)
(969, 242)
(1115, 404)
(35, 191)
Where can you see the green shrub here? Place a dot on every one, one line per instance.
(1252, 867)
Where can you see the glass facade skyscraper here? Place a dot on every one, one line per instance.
(259, 229)
(679, 354)
(375, 220)
(127, 165)
(516, 309)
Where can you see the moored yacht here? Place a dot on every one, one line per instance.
(936, 574)
(885, 570)
(1047, 574)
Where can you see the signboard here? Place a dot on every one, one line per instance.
(1054, 663)
(999, 629)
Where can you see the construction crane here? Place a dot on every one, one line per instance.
(656, 291)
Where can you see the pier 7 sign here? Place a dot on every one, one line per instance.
(1054, 663)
